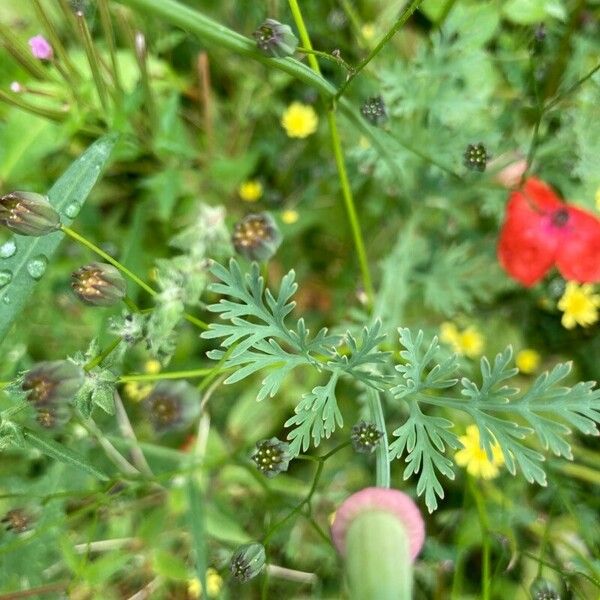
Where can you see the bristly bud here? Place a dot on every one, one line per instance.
(50, 386)
(27, 213)
(172, 405)
(99, 284)
(476, 157)
(17, 520)
(365, 437)
(272, 456)
(256, 237)
(275, 39)
(374, 111)
(247, 561)
(543, 590)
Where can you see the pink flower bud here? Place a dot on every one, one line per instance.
(41, 48)
(512, 166)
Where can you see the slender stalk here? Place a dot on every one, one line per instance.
(22, 54)
(93, 60)
(485, 537)
(47, 113)
(383, 461)
(192, 373)
(402, 19)
(325, 55)
(571, 89)
(103, 355)
(339, 160)
(109, 35)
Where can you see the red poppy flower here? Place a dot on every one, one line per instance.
(540, 231)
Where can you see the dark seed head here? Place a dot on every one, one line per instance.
(476, 157)
(247, 561)
(17, 520)
(27, 213)
(172, 405)
(271, 456)
(256, 237)
(365, 437)
(374, 111)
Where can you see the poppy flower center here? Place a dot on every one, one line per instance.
(560, 217)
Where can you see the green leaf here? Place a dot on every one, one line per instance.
(71, 190)
(62, 453)
(169, 566)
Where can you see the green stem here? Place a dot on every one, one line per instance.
(402, 19)
(485, 537)
(108, 258)
(110, 38)
(571, 89)
(103, 355)
(383, 461)
(47, 113)
(340, 163)
(330, 57)
(190, 374)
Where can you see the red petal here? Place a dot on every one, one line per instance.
(526, 250)
(578, 254)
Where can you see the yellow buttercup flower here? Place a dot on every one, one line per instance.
(468, 342)
(579, 305)
(214, 585)
(474, 457)
(528, 361)
(290, 216)
(299, 120)
(251, 190)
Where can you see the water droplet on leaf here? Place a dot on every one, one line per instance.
(5, 277)
(6, 300)
(36, 267)
(72, 210)
(8, 249)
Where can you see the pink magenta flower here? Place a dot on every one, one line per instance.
(379, 532)
(41, 48)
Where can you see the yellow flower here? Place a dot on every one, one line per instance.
(214, 585)
(152, 366)
(368, 31)
(579, 305)
(468, 342)
(251, 190)
(136, 391)
(528, 361)
(290, 216)
(474, 457)
(299, 120)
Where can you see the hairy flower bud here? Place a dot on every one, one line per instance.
(374, 111)
(99, 284)
(271, 456)
(275, 39)
(247, 561)
(50, 386)
(27, 213)
(476, 157)
(543, 590)
(256, 237)
(365, 437)
(172, 405)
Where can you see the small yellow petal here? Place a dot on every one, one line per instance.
(528, 361)
(290, 216)
(299, 120)
(250, 191)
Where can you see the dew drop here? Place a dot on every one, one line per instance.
(36, 267)
(5, 277)
(6, 300)
(8, 249)
(72, 210)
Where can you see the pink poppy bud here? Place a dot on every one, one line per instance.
(41, 48)
(511, 166)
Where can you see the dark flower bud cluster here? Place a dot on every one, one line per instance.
(50, 387)
(365, 437)
(272, 456)
(275, 39)
(171, 406)
(542, 589)
(374, 111)
(17, 520)
(256, 237)
(476, 157)
(247, 561)
(99, 284)
(27, 213)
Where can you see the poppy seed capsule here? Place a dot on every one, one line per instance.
(256, 237)
(476, 157)
(98, 284)
(27, 213)
(275, 39)
(172, 405)
(247, 561)
(374, 111)
(271, 456)
(365, 437)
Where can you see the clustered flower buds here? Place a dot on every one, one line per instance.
(27, 213)
(256, 237)
(543, 590)
(272, 456)
(98, 284)
(476, 157)
(374, 111)
(365, 437)
(275, 39)
(172, 405)
(50, 386)
(247, 561)
(17, 520)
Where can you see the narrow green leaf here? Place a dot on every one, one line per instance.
(196, 523)
(32, 254)
(62, 453)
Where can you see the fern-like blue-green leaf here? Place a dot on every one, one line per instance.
(32, 254)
